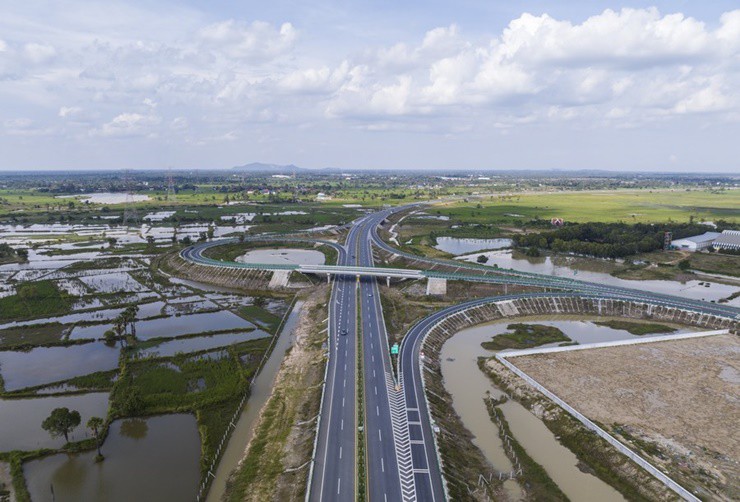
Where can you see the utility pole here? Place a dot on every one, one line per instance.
(171, 195)
(130, 217)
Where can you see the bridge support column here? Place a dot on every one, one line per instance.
(436, 286)
(328, 278)
(388, 281)
(279, 279)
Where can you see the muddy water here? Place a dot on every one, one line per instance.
(145, 459)
(21, 419)
(458, 246)
(688, 289)
(260, 393)
(283, 256)
(468, 385)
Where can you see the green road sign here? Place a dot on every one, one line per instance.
(394, 349)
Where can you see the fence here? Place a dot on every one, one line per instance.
(203, 488)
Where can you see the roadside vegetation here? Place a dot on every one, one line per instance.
(276, 461)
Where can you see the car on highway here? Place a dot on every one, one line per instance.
(343, 331)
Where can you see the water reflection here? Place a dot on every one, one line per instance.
(457, 246)
(164, 467)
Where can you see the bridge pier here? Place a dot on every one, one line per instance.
(436, 286)
(328, 278)
(388, 281)
(279, 279)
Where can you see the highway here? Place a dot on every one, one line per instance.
(333, 472)
(401, 459)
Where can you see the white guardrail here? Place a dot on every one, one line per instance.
(658, 474)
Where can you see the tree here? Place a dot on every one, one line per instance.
(684, 264)
(95, 425)
(61, 422)
(482, 258)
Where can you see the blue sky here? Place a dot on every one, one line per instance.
(631, 86)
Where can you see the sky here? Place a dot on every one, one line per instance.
(387, 84)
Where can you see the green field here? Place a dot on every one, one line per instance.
(632, 206)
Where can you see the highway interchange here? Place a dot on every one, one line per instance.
(401, 461)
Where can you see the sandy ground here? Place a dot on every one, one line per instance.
(682, 397)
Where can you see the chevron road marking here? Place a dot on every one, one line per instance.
(401, 439)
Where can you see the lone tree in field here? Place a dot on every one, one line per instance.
(61, 422)
(95, 425)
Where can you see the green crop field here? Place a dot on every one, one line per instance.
(609, 206)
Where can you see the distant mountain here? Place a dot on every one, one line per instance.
(259, 167)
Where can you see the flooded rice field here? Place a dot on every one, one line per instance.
(171, 326)
(21, 419)
(195, 344)
(156, 458)
(460, 246)
(41, 365)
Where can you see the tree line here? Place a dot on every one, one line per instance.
(609, 240)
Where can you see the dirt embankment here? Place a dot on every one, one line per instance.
(275, 465)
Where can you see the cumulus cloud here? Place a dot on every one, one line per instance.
(127, 125)
(615, 67)
(257, 40)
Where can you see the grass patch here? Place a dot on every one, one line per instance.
(94, 381)
(525, 336)
(35, 299)
(267, 320)
(40, 334)
(636, 328)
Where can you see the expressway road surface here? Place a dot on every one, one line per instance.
(333, 475)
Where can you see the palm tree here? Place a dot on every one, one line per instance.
(95, 424)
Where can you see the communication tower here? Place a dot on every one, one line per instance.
(171, 195)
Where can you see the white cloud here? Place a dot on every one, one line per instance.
(217, 79)
(258, 40)
(129, 124)
(69, 111)
(39, 53)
